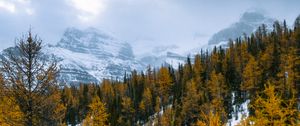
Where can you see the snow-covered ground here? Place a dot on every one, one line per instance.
(242, 112)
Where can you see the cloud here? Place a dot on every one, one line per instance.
(17, 6)
(29, 11)
(87, 10)
(142, 23)
(7, 6)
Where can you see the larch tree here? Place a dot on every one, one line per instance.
(289, 74)
(251, 77)
(127, 111)
(10, 113)
(198, 71)
(97, 115)
(190, 104)
(271, 109)
(211, 119)
(167, 118)
(164, 84)
(217, 89)
(146, 103)
(31, 80)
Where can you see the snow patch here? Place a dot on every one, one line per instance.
(242, 112)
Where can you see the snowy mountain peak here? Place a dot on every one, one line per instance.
(89, 37)
(247, 24)
(96, 42)
(252, 17)
(90, 55)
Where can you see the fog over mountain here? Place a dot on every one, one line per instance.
(247, 24)
(149, 62)
(105, 38)
(145, 24)
(89, 55)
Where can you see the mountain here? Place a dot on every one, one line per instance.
(247, 24)
(88, 56)
(162, 55)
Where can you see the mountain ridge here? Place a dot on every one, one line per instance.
(247, 24)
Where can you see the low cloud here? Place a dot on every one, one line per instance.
(16, 6)
(7, 6)
(165, 22)
(87, 10)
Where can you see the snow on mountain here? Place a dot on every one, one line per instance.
(247, 24)
(88, 56)
(161, 55)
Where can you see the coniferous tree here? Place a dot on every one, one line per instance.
(97, 115)
(270, 109)
(251, 77)
(190, 104)
(31, 80)
(211, 119)
(164, 84)
(10, 113)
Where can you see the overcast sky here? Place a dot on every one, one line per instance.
(143, 23)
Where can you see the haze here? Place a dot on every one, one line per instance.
(144, 24)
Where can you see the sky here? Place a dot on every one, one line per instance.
(144, 24)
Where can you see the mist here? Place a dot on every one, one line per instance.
(145, 24)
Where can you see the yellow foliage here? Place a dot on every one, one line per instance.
(212, 119)
(97, 115)
(217, 89)
(10, 113)
(167, 118)
(164, 80)
(251, 75)
(270, 109)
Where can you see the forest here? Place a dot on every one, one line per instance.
(262, 68)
